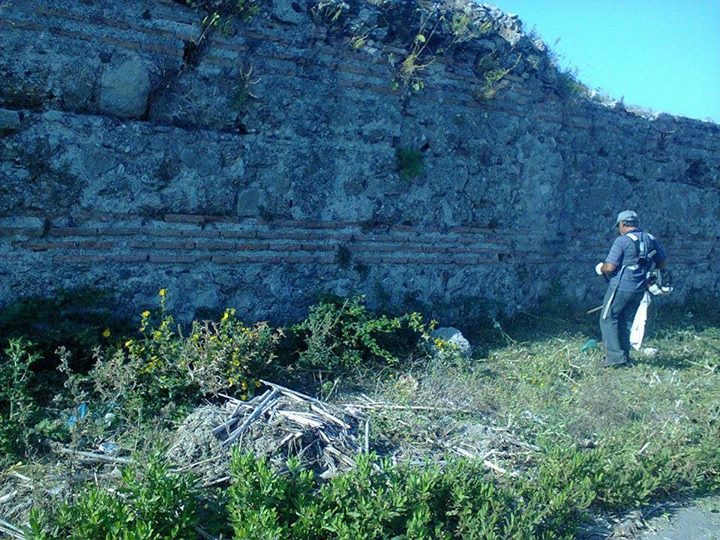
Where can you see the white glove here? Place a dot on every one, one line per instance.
(597, 269)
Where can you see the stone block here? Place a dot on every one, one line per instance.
(9, 121)
(248, 204)
(130, 258)
(184, 218)
(124, 88)
(291, 11)
(448, 341)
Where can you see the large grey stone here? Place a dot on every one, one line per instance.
(453, 338)
(248, 204)
(124, 88)
(290, 11)
(9, 120)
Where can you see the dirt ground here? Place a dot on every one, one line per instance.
(698, 520)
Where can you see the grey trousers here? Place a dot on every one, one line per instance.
(616, 327)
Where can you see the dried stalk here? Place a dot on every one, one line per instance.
(378, 405)
(11, 530)
(93, 457)
(261, 408)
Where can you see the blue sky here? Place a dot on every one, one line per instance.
(662, 55)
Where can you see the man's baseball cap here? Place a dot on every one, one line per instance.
(628, 216)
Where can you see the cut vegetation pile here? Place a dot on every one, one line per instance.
(277, 425)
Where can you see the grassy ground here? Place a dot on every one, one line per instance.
(653, 427)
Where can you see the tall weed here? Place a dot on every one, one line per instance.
(18, 409)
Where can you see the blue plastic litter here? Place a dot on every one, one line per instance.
(109, 448)
(589, 345)
(82, 412)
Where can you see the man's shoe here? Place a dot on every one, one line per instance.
(626, 363)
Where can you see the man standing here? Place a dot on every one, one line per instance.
(631, 256)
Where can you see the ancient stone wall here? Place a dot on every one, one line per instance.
(261, 168)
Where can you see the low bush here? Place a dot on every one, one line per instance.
(378, 501)
(343, 334)
(150, 503)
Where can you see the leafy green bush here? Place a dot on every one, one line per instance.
(150, 503)
(228, 354)
(378, 501)
(342, 334)
(18, 410)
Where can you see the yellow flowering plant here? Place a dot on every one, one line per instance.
(228, 354)
(146, 369)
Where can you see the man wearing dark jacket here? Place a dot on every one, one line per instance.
(631, 256)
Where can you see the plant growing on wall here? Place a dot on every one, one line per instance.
(225, 11)
(493, 75)
(458, 25)
(330, 12)
(463, 28)
(409, 163)
(408, 71)
(243, 90)
(359, 37)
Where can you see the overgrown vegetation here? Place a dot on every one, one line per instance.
(341, 334)
(600, 441)
(162, 367)
(223, 12)
(18, 410)
(378, 500)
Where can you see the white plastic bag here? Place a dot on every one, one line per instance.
(637, 332)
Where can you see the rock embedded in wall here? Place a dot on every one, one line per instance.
(9, 121)
(125, 86)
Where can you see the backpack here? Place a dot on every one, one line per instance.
(645, 257)
(656, 283)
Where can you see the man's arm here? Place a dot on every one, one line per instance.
(613, 259)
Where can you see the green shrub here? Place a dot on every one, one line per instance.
(18, 410)
(378, 501)
(265, 505)
(228, 354)
(145, 373)
(151, 503)
(342, 334)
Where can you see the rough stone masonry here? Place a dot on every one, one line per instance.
(428, 156)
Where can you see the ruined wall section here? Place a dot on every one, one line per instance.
(260, 169)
